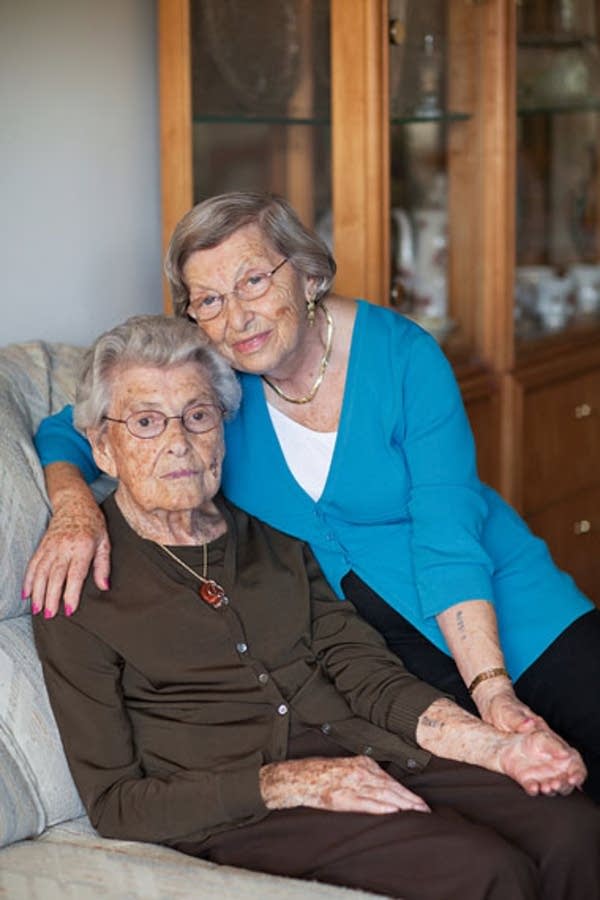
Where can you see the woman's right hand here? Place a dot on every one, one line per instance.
(75, 540)
(339, 784)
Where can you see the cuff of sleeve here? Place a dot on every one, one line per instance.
(240, 794)
(404, 715)
(438, 591)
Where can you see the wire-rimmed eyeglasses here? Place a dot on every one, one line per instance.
(208, 304)
(150, 423)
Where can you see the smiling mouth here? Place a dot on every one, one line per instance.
(251, 344)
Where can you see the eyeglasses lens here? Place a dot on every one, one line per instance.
(152, 423)
(251, 287)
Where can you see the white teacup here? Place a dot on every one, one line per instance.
(554, 301)
(587, 287)
(528, 279)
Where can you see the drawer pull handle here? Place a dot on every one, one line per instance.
(583, 410)
(582, 527)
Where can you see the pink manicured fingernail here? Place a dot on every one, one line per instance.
(48, 614)
(69, 610)
(35, 608)
(106, 584)
(24, 595)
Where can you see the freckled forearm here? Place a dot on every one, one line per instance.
(471, 632)
(66, 485)
(447, 730)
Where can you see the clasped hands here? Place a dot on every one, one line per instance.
(540, 760)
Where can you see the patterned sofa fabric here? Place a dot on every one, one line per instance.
(35, 380)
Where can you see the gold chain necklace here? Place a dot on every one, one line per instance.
(322, 368)
(209, 591)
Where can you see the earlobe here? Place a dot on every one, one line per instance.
(101, 450)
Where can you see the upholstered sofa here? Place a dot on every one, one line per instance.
(49, 849)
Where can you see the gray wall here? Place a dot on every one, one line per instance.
(79, 171)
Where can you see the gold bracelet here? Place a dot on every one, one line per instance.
(487, 673)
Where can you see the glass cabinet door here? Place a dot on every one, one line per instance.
(260, 88)
(557, 277)
(434, 59)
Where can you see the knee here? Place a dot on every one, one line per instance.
(572, 834)
(497, 870)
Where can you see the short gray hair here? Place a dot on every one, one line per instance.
(209, 223)
(159, 341)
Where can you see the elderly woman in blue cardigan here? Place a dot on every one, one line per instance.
(353, 437)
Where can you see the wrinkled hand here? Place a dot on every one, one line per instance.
(76, 538)
(346, 784)
(499, 706)
(542, 763)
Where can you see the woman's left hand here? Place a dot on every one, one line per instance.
(542, 763)
(499, 706)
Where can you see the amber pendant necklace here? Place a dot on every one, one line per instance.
(210, 591)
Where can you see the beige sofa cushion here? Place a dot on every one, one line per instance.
(72, 861)
(35, 379)
(36, 789)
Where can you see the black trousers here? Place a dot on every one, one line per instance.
(485, 839)
(562, 685)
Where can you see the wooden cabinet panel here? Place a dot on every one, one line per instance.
(561, 440)
(571, 529)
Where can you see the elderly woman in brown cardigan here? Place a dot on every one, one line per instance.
(221, 700)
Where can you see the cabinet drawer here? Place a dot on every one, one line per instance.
(561, 440)
(571, 529)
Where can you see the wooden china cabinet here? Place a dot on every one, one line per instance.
(449, 152)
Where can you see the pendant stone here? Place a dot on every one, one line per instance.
(212, 593)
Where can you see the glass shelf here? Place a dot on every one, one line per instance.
(261, 120)
(582, 106)
(241, 119)
(534, 343)
(442, 116)
(554, 41)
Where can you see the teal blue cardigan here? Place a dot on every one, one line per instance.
(403, 506)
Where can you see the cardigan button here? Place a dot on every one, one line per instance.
(326, 728)
(412, 763)
(282, 709)
(241, 647)
(263, 677)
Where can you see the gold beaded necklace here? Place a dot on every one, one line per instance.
(210, 591)
(322, 368)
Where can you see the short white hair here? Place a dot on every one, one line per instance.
(159, 341)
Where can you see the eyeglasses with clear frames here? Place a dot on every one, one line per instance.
(150, 423)
(208, 305)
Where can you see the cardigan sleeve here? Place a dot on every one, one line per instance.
(82, 675)
(57, 440)
(371, 678)
(446, 502)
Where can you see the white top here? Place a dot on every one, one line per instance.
(307, 453)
